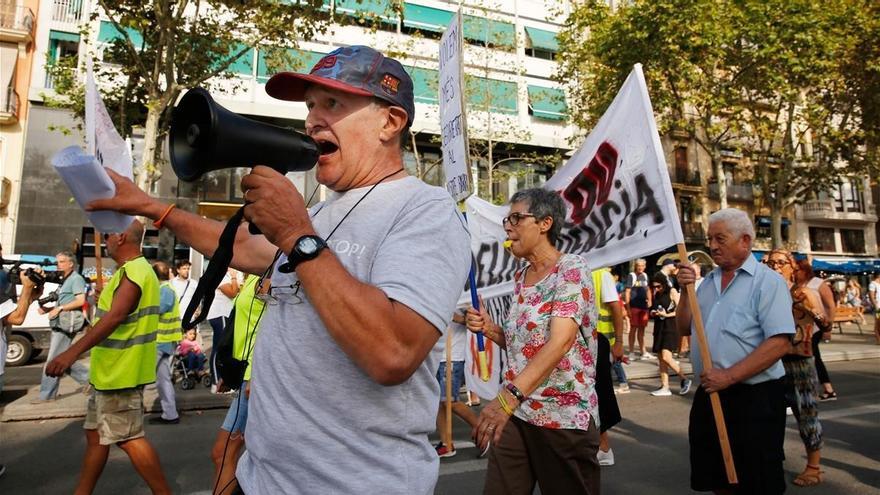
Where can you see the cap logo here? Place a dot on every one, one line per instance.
(390, 84)
(325, 63)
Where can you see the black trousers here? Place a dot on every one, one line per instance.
(821, 371)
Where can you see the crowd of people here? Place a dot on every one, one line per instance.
(364, 287)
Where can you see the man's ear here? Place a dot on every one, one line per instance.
(394, 124)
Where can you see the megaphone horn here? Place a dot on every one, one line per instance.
(205, 136)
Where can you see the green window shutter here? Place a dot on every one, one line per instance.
(547, 103)
(542, 40)
(108, 32)
(489, 31)
(303, 61)
(426, 18)
(380, 9)
(244, 64)
(57, 36)
(502, 95)
(425, 82)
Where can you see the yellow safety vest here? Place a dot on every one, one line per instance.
(248, 312)
(127, 357)
(606, 321)
(169, 322)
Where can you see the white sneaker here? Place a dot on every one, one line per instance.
(789, 412)
(605, 458)
(648, 355)
(623, 388)
(662, 392)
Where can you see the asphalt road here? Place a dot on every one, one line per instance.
(650, 447)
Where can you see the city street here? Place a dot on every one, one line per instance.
(650, 446)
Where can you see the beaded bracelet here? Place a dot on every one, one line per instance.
(515, 392)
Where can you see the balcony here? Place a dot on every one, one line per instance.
(16, 23)
(687, 181)
(735, 192)
(693, 232)
(67, 11)
(9, 107)
(826, 209)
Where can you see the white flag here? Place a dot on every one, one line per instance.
(617, 193)
(102, 140)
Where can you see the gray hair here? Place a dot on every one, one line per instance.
(737, 222)
(642, 261)
(67, 254)
(543, 203)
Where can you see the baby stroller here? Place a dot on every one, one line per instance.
(186, 376)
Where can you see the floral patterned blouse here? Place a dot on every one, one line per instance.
(567, 399)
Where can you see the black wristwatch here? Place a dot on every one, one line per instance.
(305, 248)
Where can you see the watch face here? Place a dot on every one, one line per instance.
(308, 246)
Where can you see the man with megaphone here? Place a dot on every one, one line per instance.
(343, 393)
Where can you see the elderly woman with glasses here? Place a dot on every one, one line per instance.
(543, 423)
(801, 382)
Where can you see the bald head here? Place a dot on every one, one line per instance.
(134, 234)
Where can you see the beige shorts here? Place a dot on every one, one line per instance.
(117, 415)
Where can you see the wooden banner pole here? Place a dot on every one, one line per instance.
(706, 357)
(99, 269)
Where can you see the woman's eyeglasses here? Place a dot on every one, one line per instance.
(775, 263)
(514, 218)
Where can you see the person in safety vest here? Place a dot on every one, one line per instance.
(169, 334)
(123, 360)
(610, 350)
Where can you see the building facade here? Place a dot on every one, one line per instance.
(514, 106)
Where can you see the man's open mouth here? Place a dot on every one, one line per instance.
(326, 147)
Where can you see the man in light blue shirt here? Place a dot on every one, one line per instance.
(746, 312)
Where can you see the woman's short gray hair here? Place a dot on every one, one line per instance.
(736, 221)
(543, 203)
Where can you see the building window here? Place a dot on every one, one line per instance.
(764, 230)
(822, 239)
(681, 164)
(541, 44)
(853, 240)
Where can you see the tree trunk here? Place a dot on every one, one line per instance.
(149, 171)
(718, 167)
(776, 224)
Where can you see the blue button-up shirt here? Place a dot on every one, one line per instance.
(754, 306)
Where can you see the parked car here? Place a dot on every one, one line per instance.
(30, 338)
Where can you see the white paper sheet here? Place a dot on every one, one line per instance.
(87, 181)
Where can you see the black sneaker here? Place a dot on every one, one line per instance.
(827, 396)
(159, 420)
(2, 470)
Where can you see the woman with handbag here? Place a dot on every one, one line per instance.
(543, 424)
(801, 382)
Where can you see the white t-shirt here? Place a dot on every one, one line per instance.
(185, 290)
(459, 342)
(609, 289)
(874, 287)
(222, 305)
(317, 423)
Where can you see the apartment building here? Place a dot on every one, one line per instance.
(17, 51)
(513, 101)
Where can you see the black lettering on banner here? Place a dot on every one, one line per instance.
(645, 204)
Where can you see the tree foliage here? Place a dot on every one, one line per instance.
(788, 83)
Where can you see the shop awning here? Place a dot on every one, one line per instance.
(380, 9)
(108, 32)
(762, 221)
(426, 18)
(841, 264)
(543, 40)
(63, 36)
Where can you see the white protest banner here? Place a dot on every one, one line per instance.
(618, 196)
(102, 140)
(453, 121)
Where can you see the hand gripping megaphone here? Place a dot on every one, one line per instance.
(205, 136)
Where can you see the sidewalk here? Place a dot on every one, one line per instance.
(71, 403)
(846, 346)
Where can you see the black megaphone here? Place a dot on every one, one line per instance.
(205, 136)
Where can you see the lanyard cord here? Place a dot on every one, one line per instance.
(358, 202)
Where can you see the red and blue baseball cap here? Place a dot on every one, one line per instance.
(358, 70)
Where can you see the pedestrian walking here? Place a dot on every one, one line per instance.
(123, 360)
(746, 311)
(543, 425)
(169, 334)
